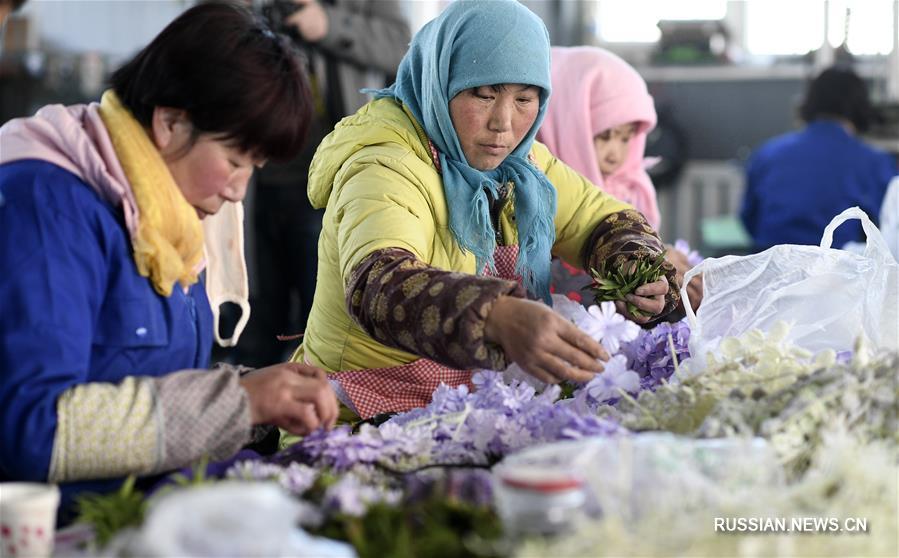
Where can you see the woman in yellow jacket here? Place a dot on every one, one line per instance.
(442, 215)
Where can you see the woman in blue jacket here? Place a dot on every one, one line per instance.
(796, 183)
(105, 331)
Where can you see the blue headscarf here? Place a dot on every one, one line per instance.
(471, 44)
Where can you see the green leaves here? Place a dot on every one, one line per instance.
(110, 513)
(436, 518)
(198, 478)
(615, 284)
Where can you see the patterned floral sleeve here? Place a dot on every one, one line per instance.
(440, 315)
(626, 236)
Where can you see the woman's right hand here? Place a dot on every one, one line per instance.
(293, 396)
(542, 342)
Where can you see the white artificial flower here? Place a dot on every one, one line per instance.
(613, 327)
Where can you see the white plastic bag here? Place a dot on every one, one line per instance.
(229, 518)
(830, 296)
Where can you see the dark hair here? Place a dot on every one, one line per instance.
(838, 92)
(232, 75)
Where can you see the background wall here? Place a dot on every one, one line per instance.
(63, 49)
(117, 28)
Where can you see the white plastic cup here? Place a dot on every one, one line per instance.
(537, 500)
(27, 518)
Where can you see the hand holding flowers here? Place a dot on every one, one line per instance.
(638, 288)
(542, 342)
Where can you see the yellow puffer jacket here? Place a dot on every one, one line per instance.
(375, 177)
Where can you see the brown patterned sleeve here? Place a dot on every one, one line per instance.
(626, 236)
(440, 315)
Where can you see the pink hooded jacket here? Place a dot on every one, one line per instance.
(594, 90)
(75, 139)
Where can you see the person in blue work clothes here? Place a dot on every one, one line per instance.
(797, 182)
(105, 331)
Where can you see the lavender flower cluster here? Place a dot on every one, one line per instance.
(655, 353)
(650, 355)
(506, 412)
(458, 427)
(642, 359)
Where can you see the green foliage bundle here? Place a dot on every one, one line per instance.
(110, 513)
(613, 284)
(433, 522)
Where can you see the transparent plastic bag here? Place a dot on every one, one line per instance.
(229, 518)
(831, 297)
(634, 478)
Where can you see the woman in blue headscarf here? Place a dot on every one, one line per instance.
(442, 215)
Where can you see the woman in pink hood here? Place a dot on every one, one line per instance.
(597, 122)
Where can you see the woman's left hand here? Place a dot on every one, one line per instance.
(649, 298)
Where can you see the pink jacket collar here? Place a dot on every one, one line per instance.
(75, 139)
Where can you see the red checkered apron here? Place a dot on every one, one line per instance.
(372, 391)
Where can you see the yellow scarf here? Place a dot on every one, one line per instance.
(168, 246)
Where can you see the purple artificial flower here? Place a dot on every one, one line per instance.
(582, 403)
(512, 433)
(472, 486)
(492, 392)
(458, 452)
(296, 478)
(650, 353)
(338, 448)
(514, 396)
(446, 399)
(648, 382)
(253, 469)
(615, 377)
(352, 496)
(399, 442)
(484, 380)
(481, 428)
(416, 414)
(514, 372)
(844, 357)
(307, 451)
(464, 427)
(573, 426)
